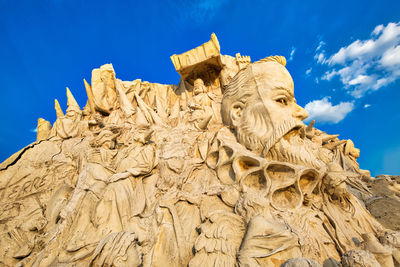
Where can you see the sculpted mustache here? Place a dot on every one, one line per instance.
(280, 131)
(296, 154)
(254, 131)
(277, 148)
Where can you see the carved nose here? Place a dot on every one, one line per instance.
(300, 113)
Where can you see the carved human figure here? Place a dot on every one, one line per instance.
(70, 125)
(200, 105)
(91, 182)
(111, 175)
(103, 87)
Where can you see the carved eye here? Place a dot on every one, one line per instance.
(282, 101)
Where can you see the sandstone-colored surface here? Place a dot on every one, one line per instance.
(219, 170)
(384, 204)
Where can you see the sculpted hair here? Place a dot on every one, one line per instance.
(241, 88)
(279, 59)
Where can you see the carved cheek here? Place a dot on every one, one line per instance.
(275, 112)
(285, 112)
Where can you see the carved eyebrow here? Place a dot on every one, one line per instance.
(287, 91)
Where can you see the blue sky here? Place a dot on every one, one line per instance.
(344, 57)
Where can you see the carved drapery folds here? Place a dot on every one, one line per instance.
(219, 170)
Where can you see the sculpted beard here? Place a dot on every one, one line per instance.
(294, 149)
(283, 144)
(253, 127)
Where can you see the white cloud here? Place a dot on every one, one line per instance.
(320, 58)
(320, 53)
(323, 111)
(365, 65)
(329, 75)
(320, 45)
(378, 29)
(308, 72)
(391, 57)
(361, 79)
(367, 105)
(355, 50)
(292, 53)
(34, 130)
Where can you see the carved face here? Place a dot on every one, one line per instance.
(276, 90)
(72, 114)
(259, 104)
(271, 110)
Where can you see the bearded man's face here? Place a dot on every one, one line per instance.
(266, 119)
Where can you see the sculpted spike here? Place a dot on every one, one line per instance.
(302, 132)
(332, 145)
(329, 137)
(310, 126)
(156, 119)
(143, 106)
(160, 109)
(124, 102)
(58, 109)
(141, 121)
(71, 102)
(90, 96)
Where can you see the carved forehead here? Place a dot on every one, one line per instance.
(272, 75)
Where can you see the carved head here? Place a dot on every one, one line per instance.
(105, 139)
(259, 104)
(199, 87)
(73, 114)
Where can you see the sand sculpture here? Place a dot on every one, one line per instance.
(219, 170)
